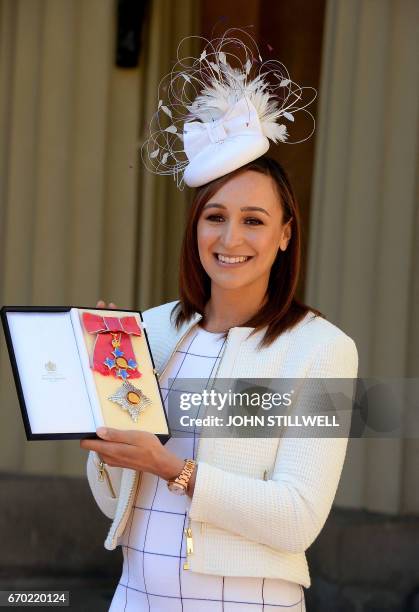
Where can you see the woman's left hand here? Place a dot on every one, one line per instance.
(138, 450)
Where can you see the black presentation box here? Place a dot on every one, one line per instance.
(77, 368)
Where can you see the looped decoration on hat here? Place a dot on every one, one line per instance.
(219, 111)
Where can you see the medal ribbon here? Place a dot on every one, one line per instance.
(108, 329)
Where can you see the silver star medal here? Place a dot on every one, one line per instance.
(130, 398)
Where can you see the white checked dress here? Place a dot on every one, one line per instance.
(153, 544)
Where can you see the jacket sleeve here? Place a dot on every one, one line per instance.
(106, 490)
(288, 511)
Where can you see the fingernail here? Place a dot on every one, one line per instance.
(102, 432)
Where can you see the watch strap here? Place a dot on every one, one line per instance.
(185, 475)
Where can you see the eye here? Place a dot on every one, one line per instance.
(247, 221)
(215, 218)
(253, 221)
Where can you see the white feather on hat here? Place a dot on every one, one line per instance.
(221, 116)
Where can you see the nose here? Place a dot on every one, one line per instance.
(232, 235)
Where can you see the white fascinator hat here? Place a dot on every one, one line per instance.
(221, 110)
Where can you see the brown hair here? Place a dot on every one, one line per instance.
(282, 310)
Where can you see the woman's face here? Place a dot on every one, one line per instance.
(240, 230)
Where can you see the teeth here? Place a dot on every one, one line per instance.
(232, 260)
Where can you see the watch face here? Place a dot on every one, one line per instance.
(176, 488)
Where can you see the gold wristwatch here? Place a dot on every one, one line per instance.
(179, 485)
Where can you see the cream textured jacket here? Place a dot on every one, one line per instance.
(258, 503)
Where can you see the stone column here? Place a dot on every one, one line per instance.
(361, 267)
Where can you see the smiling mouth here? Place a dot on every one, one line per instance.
(230, 261)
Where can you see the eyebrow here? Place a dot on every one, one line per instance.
(247, 208)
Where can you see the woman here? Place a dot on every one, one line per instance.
(236, 538)
(263, 525)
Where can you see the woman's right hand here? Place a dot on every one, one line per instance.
(102, 304)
